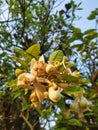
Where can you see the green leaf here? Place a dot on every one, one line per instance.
(24, 105)
(12, 83)
(93, 14)
(91, 35)
(61, 104)
(77, 46)
(46, 113)
(89, 31)
(69, 64)
(89, 114)
(73, 79)
(22, 62)
(1, 93)
(34, 50)
(92, 93)
(61, 128)
(70, 78)
(74, 90)
(56, 56)
(23, 53)
(70, 40)
(75, 122)
(18, 93)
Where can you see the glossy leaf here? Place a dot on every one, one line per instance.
(56, 56)
(34, 50)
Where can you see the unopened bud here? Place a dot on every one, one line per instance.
(50, 68)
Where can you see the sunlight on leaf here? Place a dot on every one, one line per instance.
(74, 90)
(56, 56)
(34, 50)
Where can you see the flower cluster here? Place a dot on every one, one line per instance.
(44, 80)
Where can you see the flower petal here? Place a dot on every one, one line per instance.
(25, 79)
(42, 59)
(40, 91)
(54, 93)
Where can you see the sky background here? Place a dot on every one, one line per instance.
(88, 6)
(83, 23)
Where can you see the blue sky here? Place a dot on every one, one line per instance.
(88, 6)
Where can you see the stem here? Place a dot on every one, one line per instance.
(27, 122)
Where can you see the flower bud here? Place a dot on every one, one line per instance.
(18, 72)
(50, 68)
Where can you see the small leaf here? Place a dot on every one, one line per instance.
(75, 122)
(70, 40)
(12, 83)
(89, 114)
(34, 50)
(24, 105)
(23, 53)
(74, 90)
(22, 62)
(19, 93)
(89, 31)
(93, 14)
(46, 112)
(68, 64)
(56, 56)
(61, 104)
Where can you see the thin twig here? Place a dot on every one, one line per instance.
(9, 20)
(27, 122)
(93, 80)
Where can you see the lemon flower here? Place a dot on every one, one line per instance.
(30, 81)
(44, 80)
(38, 68)
(38, 94)
(25, 80)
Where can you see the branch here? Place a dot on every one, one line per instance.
(27, 122)
(28, 4)
(34, 127)
(93, 78)
(58, 4)
(7, 21)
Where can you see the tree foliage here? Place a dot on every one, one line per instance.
(48, 67)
